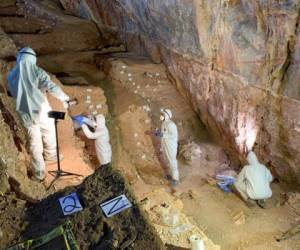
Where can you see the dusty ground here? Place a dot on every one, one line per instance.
(222, 217)
(76, 159)
(134, 101)
(127, 230)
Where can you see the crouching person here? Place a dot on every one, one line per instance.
(101, 137)
(253, 182)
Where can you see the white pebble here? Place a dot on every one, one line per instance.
(95, 113)
(88, 97)
(99, 106)
(135, 91)
(89, 90)
(133, 83)
(136, 135)
(124, 66)
(157, 74)
(138, 87)
(147, 121)
(158, 81)
(143, 156)
(129, 75)
(91, 106)
(154, 89)
(129, 79)
(122, 72)
(88, 101)
(138, 144)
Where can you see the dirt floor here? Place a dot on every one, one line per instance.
(92, 230)
(140, 89)
(131, 99)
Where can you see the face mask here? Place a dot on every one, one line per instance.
(162, 118)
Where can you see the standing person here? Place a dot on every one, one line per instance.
(28, 84)
(101, 137)
(253, 182)
(169, 143)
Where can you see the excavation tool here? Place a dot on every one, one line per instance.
(56, 115)
(64, 230)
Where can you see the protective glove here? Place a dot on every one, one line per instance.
(79, 119)
(158, 133)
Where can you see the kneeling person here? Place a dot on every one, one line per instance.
(253, 182)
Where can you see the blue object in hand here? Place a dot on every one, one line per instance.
(80, 119)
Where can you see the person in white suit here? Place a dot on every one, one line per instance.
(169, 143)
(253, 182)
(28, 84)
(101, 137)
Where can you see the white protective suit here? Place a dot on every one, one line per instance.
(101, 137)
(28, 84)
(254, 180)
(169, 142)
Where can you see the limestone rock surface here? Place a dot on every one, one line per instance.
(237, 61)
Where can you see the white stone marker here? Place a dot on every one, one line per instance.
(70, 204)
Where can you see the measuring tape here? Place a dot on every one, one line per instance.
(64, 230)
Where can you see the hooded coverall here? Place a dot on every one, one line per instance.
(169, 143)
(253, 182)
(101, 137)
(28, 84)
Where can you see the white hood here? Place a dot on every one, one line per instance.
(252, 159)
(167, 113)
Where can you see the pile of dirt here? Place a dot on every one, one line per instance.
(126, 230)
(12, 212)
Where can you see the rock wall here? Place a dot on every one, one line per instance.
(236, 60)
(45, 27)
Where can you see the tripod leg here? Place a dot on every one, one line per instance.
(65, 173)
(52, 182)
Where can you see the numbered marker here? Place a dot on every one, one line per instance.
(70, 204)
(115, 206)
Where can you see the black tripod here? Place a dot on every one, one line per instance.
(58, 173)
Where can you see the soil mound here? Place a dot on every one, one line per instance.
(126, 230)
